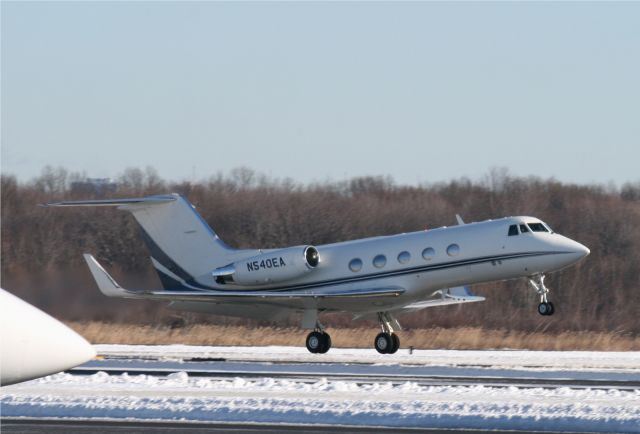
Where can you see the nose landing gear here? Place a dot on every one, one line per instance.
(545, 307)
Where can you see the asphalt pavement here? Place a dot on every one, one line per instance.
(43, 426)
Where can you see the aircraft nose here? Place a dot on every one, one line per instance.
(585, 250)
(579, 250)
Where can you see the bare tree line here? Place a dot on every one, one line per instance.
(42, 248)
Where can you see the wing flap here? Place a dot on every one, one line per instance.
(443, 297)
(264, 295)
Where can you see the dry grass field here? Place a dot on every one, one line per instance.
(434, 338)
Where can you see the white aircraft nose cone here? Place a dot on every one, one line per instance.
(582, 251)
(576, 251)
(35, 344)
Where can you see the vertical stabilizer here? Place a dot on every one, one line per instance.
(181, 243)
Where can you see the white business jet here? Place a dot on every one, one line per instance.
(380, 276)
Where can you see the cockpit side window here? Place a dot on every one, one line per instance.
(524, 228)
(513, 230)
(537, 227)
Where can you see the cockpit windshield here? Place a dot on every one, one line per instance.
(523, 228)
(537, 227)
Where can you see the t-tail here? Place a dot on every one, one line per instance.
(183, 246)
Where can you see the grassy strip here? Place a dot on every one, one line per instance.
(436, 338)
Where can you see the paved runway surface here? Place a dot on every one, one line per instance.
(101, 427)
(425, 375)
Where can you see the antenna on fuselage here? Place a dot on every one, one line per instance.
(459, 219)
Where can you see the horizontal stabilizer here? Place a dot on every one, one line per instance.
(115, 202)
(106, 284)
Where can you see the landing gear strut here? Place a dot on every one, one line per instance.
(318, 341)
(545, 307)
(387, 342)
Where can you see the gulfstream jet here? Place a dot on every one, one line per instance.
(382, 276)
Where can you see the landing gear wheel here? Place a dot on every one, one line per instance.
(314, 342)
(318, 342)
(383, 343)
(546, 308)
(396, 343)
(326, 343)
(551, 308)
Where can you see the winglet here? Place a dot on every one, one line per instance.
(106, 284)
(459, 219)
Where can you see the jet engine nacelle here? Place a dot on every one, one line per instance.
(270, 267)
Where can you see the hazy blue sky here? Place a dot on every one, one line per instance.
(419, 91)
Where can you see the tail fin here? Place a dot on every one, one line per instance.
(181, 243)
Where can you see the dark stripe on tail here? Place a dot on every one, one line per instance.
(159, 255)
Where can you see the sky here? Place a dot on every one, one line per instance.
(419, 91)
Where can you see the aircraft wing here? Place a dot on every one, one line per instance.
(109, 287)
(459, 294)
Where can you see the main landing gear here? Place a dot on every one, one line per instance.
(545, 307)
(318, 341)
(387, 342)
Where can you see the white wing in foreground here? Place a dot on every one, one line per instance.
(35, 344)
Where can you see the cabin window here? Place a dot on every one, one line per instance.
(404, 257)
(355, 265)
(453, 250)
(428, 253)
(524, 228)
(379, 261)
(513, 230)
(537, 227)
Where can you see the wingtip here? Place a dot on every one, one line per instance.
(106, 284)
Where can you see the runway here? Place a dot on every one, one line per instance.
(366, 374)
(283, 389)
(131, 427)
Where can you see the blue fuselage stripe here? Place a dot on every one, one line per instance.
(373, 276)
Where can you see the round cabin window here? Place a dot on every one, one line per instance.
(404, 257)
(428, 253)
(379, 261)
(453, 250)
(355, 265)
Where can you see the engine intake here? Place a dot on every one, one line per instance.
(270, 267)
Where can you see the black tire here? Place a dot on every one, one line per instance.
(395, 344)
(552, 309)
(326, 343)
(383, 343)
(543, 308)
(315, 342)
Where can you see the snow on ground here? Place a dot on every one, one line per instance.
(180, 397)
(508, 359)
(177, 396)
